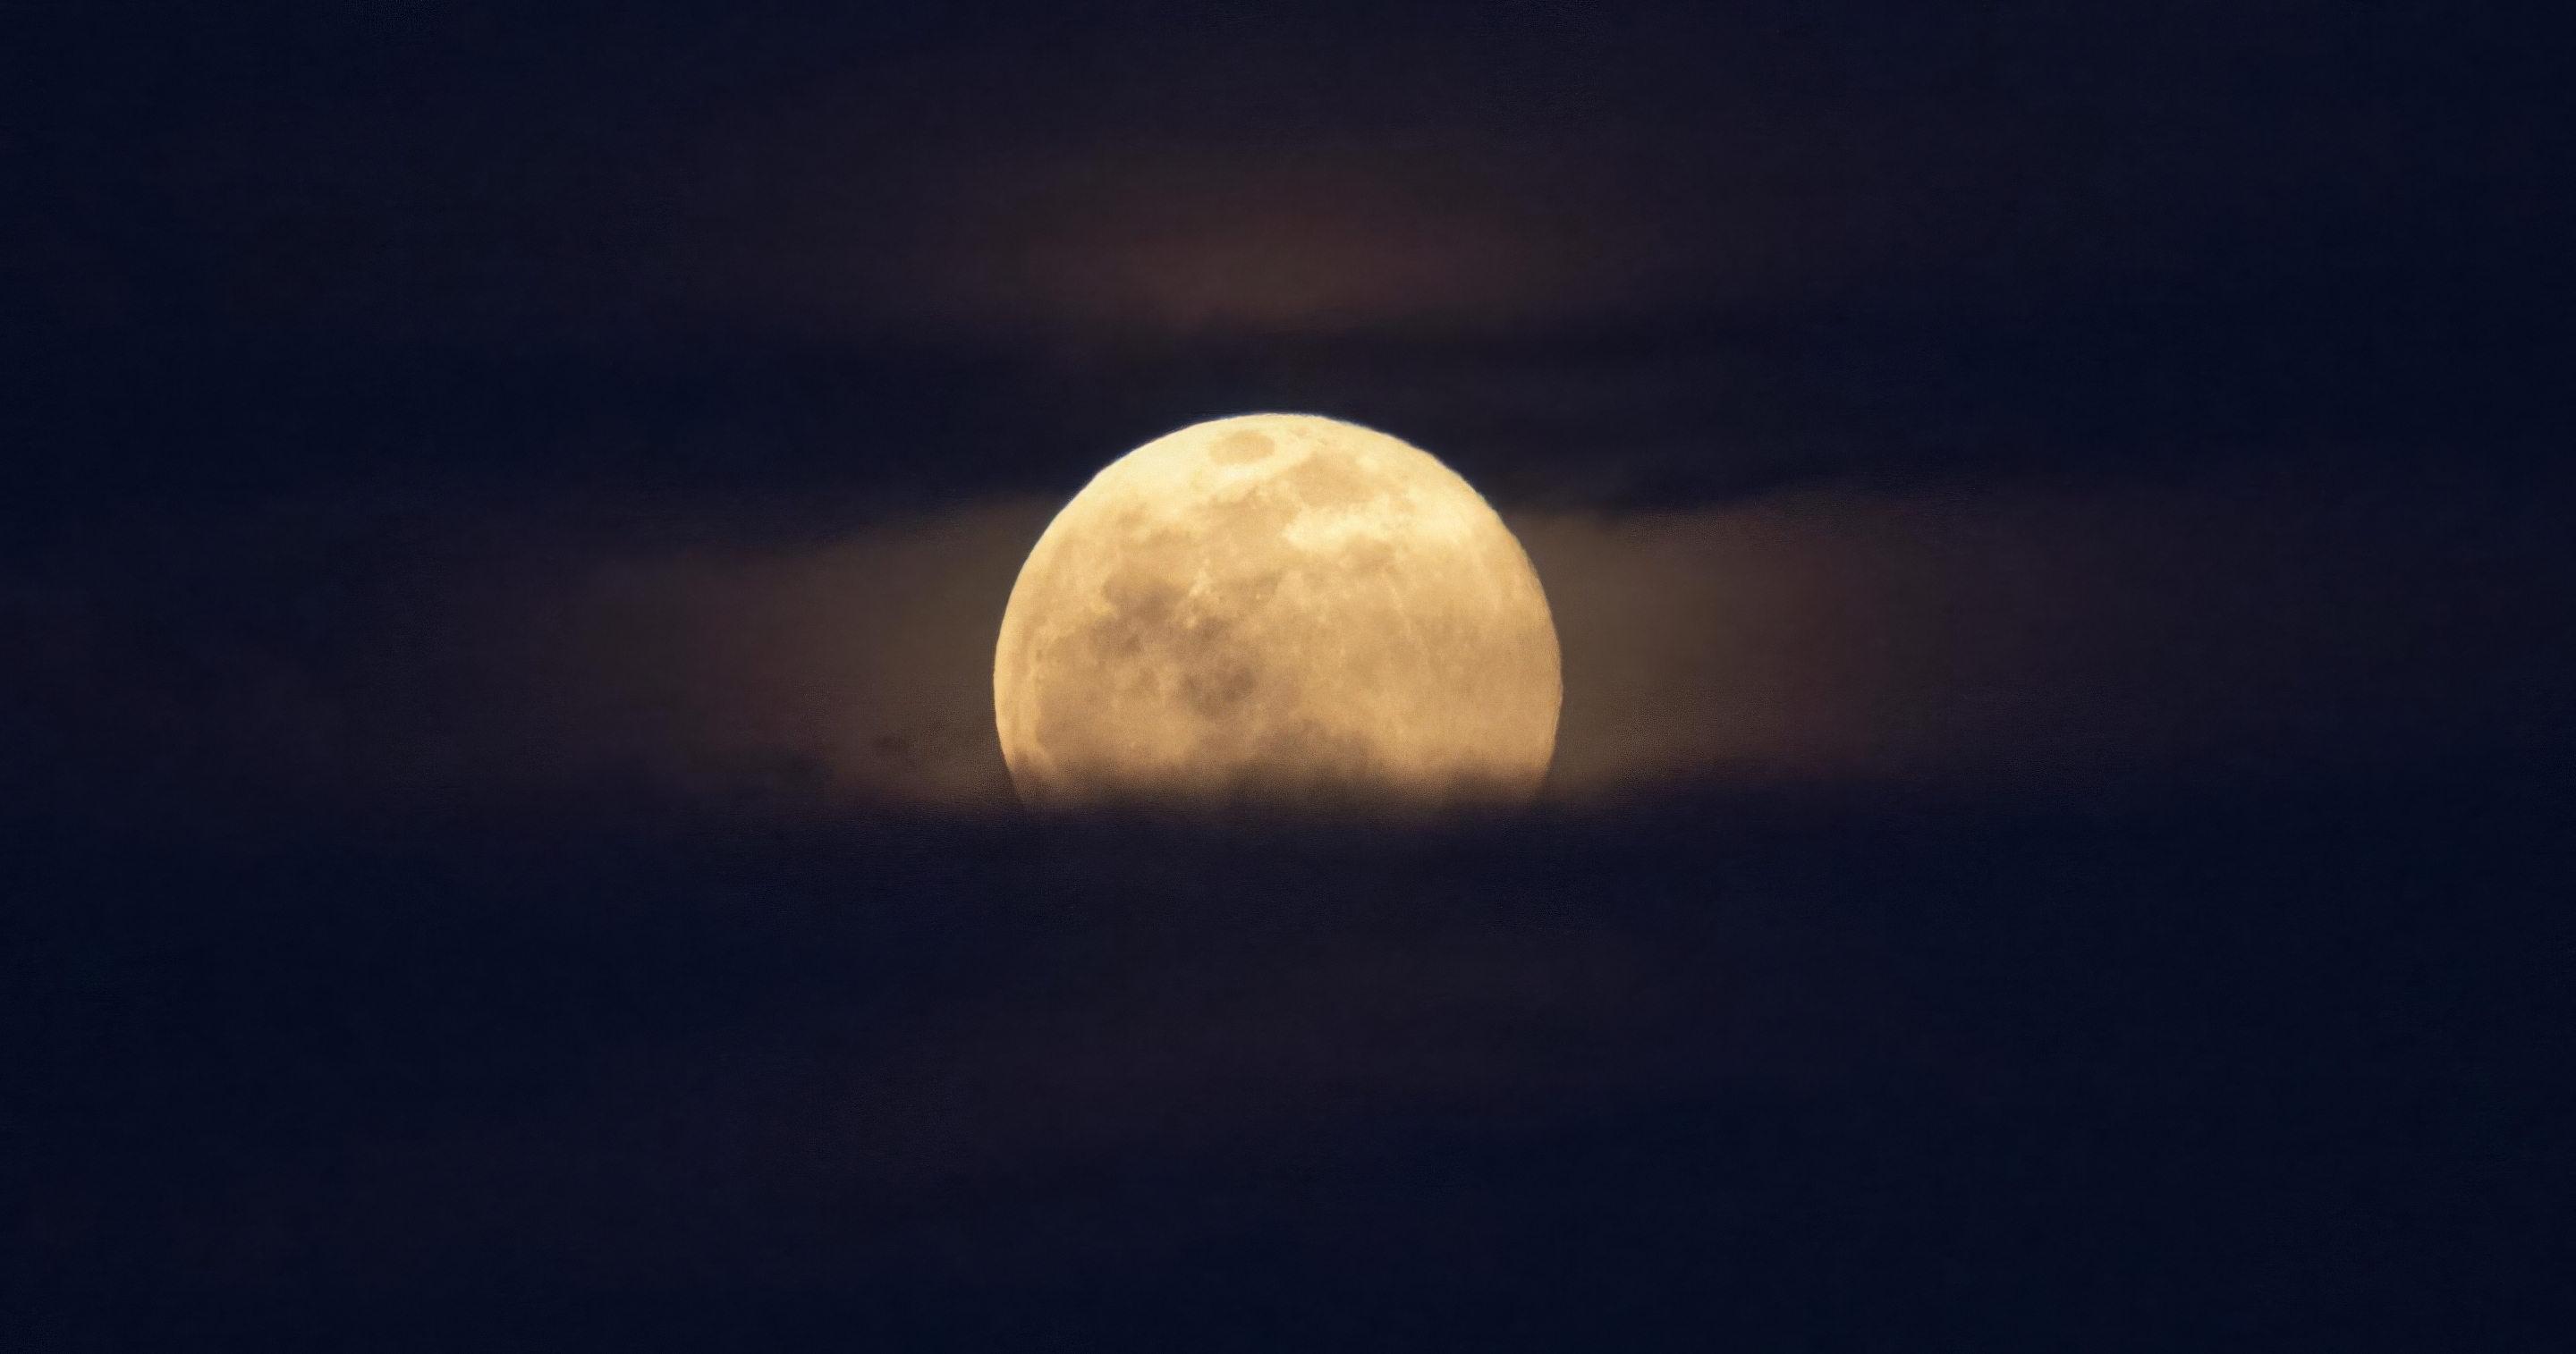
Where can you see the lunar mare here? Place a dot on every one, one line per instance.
(1277, 609)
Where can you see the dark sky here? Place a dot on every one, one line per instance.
(2056, 516)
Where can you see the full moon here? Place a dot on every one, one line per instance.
(1279, 611)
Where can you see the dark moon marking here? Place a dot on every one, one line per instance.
(1241, 448)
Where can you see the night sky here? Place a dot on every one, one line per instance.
(2057, 517)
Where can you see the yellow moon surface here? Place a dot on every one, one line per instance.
(1277, 610)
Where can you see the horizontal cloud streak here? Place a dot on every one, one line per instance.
(2016, 632)
(1980, 637)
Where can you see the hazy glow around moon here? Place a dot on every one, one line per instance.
(1277, 609)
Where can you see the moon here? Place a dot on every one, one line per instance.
(1277, 611)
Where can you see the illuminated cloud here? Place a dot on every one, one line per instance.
(1271, 178)
(1972, 638)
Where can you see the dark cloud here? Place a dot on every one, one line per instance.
(492, 175)
(851, 1064)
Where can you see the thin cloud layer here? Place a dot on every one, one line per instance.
(1986, 637)
(2015, 635)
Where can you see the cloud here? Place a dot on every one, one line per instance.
(1971, 637)
(2019, 634)
(993, 1044)
(1256, 176)
(1443, 230)
(513, 665)
(856, 669)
